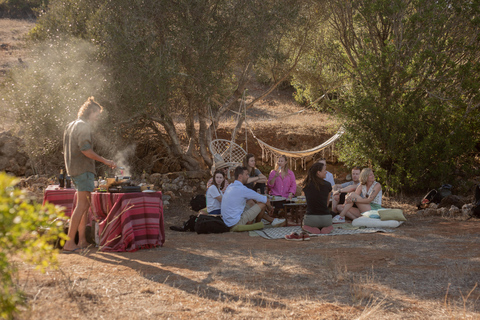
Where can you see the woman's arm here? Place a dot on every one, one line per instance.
(372, 196)
(219, 198)
(292, 188)
(271, 178)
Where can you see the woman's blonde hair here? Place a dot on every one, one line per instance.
(88, 107)
(285, 168)
(364, 175)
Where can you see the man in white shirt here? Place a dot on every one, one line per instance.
(241, 205)
(329, 177)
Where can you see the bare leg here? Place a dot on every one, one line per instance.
(83, 204)
(345, 209)
(335, 204)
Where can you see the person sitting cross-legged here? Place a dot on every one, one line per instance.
(238, 203)
(367, 196)
(340, 191)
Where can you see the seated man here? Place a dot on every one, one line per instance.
(238, 203)
(340, 191)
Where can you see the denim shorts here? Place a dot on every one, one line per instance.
(84, 181)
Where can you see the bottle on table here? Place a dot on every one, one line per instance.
(61, 179)
(68, 182)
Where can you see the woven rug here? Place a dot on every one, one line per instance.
(280, 233)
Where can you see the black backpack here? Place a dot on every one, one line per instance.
(435, 196)
(210, 224)
(188, 225)
(198, 202)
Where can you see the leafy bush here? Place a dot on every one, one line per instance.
(28, 231)
(20, 8)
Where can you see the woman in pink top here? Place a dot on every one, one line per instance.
(281, 181)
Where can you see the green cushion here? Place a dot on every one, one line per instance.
(247, 227)
(391, 214)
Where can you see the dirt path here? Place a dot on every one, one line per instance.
(425, 269)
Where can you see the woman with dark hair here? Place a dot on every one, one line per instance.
(215, 193)
(318, 219)
(256, 180)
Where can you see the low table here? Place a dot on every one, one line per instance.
(129, 221)
(294, 211)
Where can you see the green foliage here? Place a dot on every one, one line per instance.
(20, 8)
(163, 60)
(27, 230)
(411, 107)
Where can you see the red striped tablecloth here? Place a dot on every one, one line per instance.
(61, 197)
(129, 221)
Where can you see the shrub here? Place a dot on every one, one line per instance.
(28, 231)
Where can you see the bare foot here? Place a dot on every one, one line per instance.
(311, 230)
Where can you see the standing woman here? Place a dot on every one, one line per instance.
(281, 181)
(215, 193)
(318, 218)
(256, 180)
(367, 196)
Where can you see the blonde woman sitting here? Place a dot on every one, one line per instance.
(367, 196)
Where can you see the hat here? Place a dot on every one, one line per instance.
(220, 164)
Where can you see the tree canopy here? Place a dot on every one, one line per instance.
(402, 75)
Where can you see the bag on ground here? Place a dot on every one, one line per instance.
(210, 224)
(198, 202)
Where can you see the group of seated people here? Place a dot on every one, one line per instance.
(245, 201)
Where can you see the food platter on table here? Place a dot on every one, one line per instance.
(276, 198)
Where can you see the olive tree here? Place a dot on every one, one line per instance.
(168, 64)
(411, 102)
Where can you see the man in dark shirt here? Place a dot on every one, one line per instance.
(80, 163)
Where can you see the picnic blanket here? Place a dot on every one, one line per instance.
(131, 221)
(280, 233)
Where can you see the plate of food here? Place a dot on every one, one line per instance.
(276, 198)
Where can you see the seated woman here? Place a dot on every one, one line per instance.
(219, 166)
(281, 181)
(318, 218)
(367, 196)
(215, 193)
(256, 179)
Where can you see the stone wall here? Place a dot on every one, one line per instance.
(12, 159)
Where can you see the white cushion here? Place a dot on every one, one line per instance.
(375, 223)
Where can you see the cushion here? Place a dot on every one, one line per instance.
(375, 223)
(391, 214)
(371, 214)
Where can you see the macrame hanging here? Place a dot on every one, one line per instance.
(271, 153)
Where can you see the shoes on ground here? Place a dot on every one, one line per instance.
(265, 222)
(338, 219)
(298, 237)
(279, 222)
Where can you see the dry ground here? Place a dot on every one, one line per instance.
(427, 269)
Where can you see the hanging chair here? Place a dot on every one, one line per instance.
(229, 151)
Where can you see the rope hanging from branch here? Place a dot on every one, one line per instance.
(269, 152)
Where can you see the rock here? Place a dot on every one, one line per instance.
(170, 193)
(169, 187)
(442, 211)
(467, 209)
(187, 189)
(433, 205)
(166, 203)
(12, 159)
(166, 197)
(450, 200)
(155, 178)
